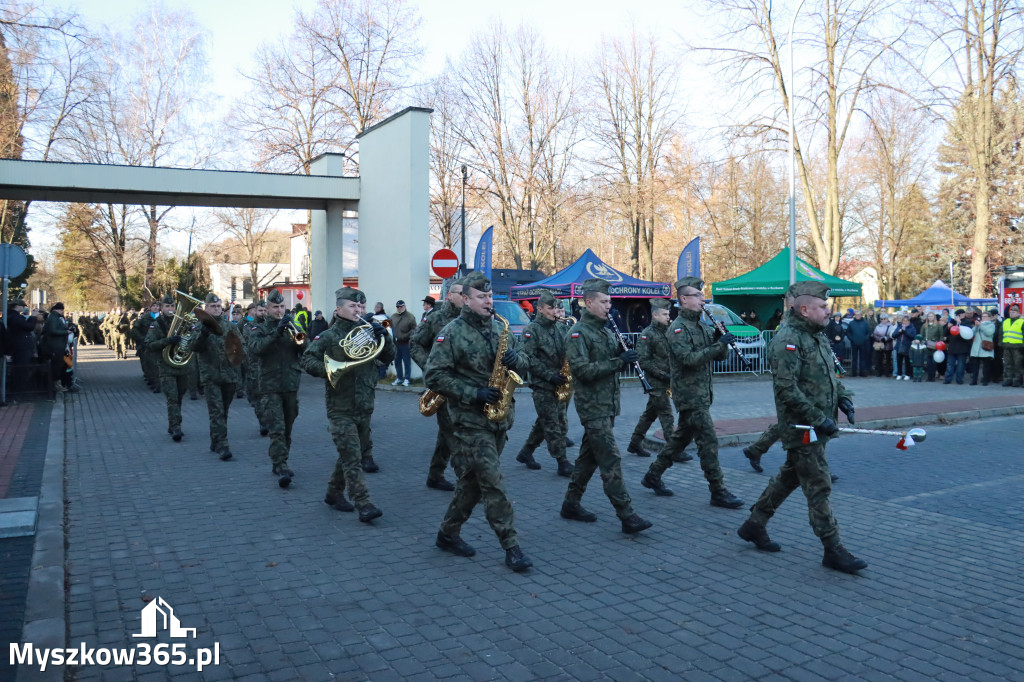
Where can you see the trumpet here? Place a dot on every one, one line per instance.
(293, 332)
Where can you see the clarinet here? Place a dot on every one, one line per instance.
(636, 365)
(721, 329)
(840, 371)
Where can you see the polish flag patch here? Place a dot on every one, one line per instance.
(790, 346)
(439, 339)
(678, 330)
(575, 335)
(526, 334)
(643, 336)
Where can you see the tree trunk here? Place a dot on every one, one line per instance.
(979, 255)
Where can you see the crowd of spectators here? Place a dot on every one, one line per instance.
(37, 348)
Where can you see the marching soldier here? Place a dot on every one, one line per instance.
(277, 385)
(544, 342)
(460, 366)
(255, 316)
(218, 375)
(807, 391)
(420, 343)
(121, 328)
(146, 357)
(693, 348)
(173, 378)
(595, 360)
(349, 403)
(652, 349)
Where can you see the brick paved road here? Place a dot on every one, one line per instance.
(291, 589)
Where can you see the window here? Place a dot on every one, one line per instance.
(246, 288)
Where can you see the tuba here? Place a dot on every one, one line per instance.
(185, 324)
(564, 392)
(502, 378)
(360, 346)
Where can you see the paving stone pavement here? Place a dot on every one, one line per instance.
(290, 589)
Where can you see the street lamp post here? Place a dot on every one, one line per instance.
(463, 269)
(792, 155)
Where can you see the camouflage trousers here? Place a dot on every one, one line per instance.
(255, 400)
(442, 446)
(1013, 358)
(173, 388)
(599, 451)
(552, 424)
(121, 343)
(769, 438)
(475, 456)
(694, 425)
(218, 402)
(280, 411)
(351, 434)
(658, 407)
(149, 368)
(807, 468)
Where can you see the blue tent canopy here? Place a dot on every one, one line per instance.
(937, 295)
(567, 283)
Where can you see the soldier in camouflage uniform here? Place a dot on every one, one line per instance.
(251, 365)
(693, 348)
(420, 343)
(544, 342)
(146, 358)
(807, 391)
(459, 367)
(595, 360)
(350, 402)
(173, 379)
(218, 375)
(121, 327)
(277, 384)
(652, 348)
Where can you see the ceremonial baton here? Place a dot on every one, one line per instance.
(907, 438)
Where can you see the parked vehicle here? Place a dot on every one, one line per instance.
(749, 341)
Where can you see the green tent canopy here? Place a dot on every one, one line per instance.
(772, 279)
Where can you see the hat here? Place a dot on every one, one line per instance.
(429, 299)
(849, 311)
(350, 294)
(461, 281)
(319, 312)
(809, 288)
(660, 304)
(168, 299)
(918, 338)
(477, 280)
(546, 298)
(18, 302)
(212, 298)
(57, 306)
(261, 302)
(695, 282)
(595, 286)
(991, 311)
(275, 296)
(959, 311)
(399, 303)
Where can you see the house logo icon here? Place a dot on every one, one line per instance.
(159, 614)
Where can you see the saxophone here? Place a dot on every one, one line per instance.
(502, 378)
(564, 392)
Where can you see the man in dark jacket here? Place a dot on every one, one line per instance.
(55, 341)
(403, 323)
(859, 332)
(21, 344)
(957, 347)
(318, 326)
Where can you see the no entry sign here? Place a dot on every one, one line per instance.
(444, 263)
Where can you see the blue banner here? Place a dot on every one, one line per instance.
(689, 260)
(483, 251)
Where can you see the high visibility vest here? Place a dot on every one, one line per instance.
(1013, 331)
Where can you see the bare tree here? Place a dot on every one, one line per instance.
(447, 153)
(249, 227)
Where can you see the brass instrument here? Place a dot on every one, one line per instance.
(293, 332)
(185, 324)
(430, 403)
(502, 378)
(360, 346)
(564, 392)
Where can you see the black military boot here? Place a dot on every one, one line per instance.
(569, 443)
(284, 476)
(833, 478)
(756, 533)
(638, 450)
(440, 483)
(516, 560)
(654, 483)
(575, 512)
(369, 466)
(526, 458)
(338, 501)
(225, 454)
(635, 524)
(755, 460)
(176, 434)
(839, 558)
(368, 513)
(724, 498)
(682, 457)
(264, 430)
(565, 468)
(454, 544)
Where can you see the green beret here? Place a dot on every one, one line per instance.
(595, 286)
(212, 298)
(546, 298)
(660, 304)
(350, 294)
(168, 299)
(260, 303)
(809, 288)
(275, 296)
(477, 280)
(695, 282)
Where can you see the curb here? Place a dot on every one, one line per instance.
(45, 620)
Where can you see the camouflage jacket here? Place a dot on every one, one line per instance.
(422, 339)
(213, 358)
(140, 329)
(278, 370)
(806, 387)
(652, 347)
(692, 349)
(461, 362)
(156, 341)
(593, 352)
(356, 387)
(544, 343)
(250, 362)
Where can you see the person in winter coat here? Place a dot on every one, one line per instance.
(903, 337)
(859, 333)
(983, 350)
(881, 343)
(957, 347)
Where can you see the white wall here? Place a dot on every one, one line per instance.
(221, 274)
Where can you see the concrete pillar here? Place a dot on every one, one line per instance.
(326, 235)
